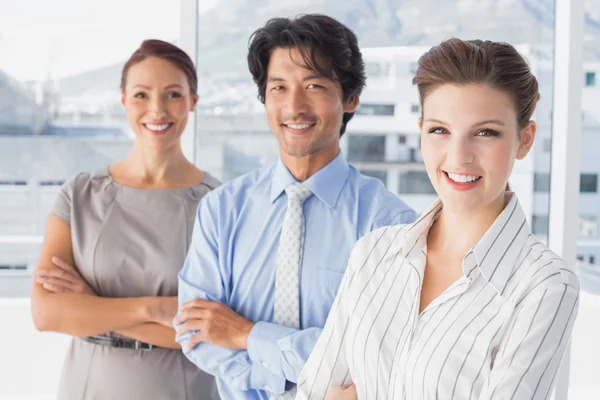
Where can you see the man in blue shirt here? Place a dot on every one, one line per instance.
(310, 73)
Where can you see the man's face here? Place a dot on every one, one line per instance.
(304, 109)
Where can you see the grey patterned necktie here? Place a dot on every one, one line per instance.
(289, 258)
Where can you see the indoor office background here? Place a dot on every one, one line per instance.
(60, 64)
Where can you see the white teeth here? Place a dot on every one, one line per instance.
(153, 127)
(462, 178)
(298, 126)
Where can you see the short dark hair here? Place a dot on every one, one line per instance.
(321, 36)
(168, 52)
(494, 64)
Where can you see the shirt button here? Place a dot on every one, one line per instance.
(265, 364)
(267, 388)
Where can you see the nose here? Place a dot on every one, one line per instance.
(297, 102)
(157, 107)
(461, 150)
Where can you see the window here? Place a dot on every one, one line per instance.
(590, 79)
(52, 182)
(415, 182)
(414, 108)
(592, 260)
(539, 225)
(412, 68)
(366, 148)
(588, 183)
(13, 267)
(381, 175)
(60, 114)
(375, 109)
(377, 69)
(401, 139)
(547, 145)
(541, 182)
(17, 182)
(588, 226)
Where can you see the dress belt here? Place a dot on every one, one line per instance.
(111, 341)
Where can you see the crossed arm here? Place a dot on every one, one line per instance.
(62, 301)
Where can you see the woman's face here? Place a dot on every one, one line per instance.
(157, 100)
(470, 140)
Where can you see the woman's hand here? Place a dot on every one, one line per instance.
(64, 278)
(163, 310)
(342, 393)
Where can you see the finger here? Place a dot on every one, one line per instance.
(195, 340)
(200, 303)
(193, 313)
(191, 326)
(59, 262)
(57, 273)
(55, 285)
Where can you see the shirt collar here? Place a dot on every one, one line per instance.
(326, 184)
(495, 254)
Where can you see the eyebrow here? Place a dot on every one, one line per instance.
(173, 86)
(308, 78)
(484, 122)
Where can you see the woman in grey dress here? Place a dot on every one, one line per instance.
(115, 241)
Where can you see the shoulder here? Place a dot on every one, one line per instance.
(540, 271)
(86, 181)
(378, 245)
(237, 190)
(389, 209)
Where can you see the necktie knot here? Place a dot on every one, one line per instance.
(298, 192)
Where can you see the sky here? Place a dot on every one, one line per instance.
(40, 38)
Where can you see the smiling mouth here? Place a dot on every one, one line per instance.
(462, 178)
(299, 127)
(158, 127)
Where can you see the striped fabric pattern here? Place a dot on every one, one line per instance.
(498, 332)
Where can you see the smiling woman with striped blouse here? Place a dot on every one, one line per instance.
(465, 303)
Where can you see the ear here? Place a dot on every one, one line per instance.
(123, 98)
(420, 123)
(352, 105)
(194, 102)
(526, 139)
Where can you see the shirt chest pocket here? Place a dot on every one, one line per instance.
(328, 282)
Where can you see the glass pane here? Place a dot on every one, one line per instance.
(366, 148)
(60, 114)
(383, 138)
(585, 352)
(392, 36)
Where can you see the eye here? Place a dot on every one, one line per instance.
(140, 95)
(277, 88)
(174, 95)
(314, 86)
(488, 132)
(438, 131)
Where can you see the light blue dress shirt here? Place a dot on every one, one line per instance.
(232, 261)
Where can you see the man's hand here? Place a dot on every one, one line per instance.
(217, 324)
(64, 278)
(342, 393)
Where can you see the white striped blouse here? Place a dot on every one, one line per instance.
(498, 332)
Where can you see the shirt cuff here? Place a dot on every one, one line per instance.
(263, 346)
(263, 379)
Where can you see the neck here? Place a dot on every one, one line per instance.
(455, 234)
(156, 166)
(303, 168)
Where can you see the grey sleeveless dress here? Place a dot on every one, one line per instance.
(129, 243)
